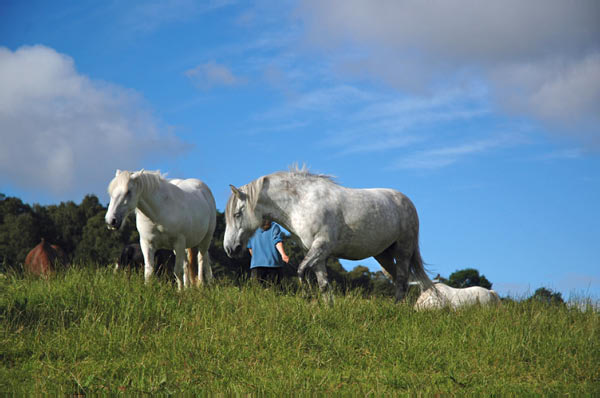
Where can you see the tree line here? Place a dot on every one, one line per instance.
(80, 230)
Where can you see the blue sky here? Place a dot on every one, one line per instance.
(484, 113)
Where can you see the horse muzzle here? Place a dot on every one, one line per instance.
(113, 223)
(235, 252)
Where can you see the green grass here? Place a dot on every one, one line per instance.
(89, 331)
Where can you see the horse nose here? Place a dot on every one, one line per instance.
(112, 222)
(232, 253)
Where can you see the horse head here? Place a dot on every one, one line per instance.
(242, 219)
(124, 191)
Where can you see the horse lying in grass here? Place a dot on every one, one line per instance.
(330, 220)
(442, 296)
(170, 214)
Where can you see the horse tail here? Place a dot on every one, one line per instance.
(417, 270)
(495, 297)
(192, 265)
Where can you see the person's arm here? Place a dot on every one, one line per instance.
(284, 256)
(250, 250)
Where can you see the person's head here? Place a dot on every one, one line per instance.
(266, 224)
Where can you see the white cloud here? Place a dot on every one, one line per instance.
(445, 156)
(540, 58)
(559, 92)
(460, 30)
(64, 133)
(211, 74)
(387, 122)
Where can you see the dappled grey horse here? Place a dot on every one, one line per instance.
(330, 220)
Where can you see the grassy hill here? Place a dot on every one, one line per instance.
(90, 331)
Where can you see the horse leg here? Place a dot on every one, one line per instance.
(396, 267)
(205, 275)
(191, 269)
(316, 259)
(395, 264)
(180, 254)
(321, 273)
(387, 262)
(317, 254)
(204, 267)
(148, 253)
(402, 257)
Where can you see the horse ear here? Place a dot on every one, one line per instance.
(136, 174)
(118, 172)
(238, 194)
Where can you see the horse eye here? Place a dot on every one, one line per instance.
(238, 213)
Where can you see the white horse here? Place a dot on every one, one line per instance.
(330, 220)
(441, 296)
(170, 214)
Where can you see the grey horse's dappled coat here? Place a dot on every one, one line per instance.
(331, 220)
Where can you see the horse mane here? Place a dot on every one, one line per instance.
(304, 173)
(253, 189)
(252, 192)
(146, 180)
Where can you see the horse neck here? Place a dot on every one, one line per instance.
(149, 203)
(277, 203)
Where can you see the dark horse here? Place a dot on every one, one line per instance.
(44, 259)
(132, 258)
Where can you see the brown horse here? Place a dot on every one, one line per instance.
(44, 259)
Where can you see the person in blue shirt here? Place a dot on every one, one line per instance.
(268, 255)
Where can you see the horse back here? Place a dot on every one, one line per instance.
(194, 188)
(198, 197)
(371, 220)
(44, 258)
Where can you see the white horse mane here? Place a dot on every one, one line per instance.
(304, 173)
(146, 180)
(294, 175)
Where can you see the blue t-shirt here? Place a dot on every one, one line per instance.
(264, 252)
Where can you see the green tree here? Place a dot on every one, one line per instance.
(101, 246)
(20, 235)
(468, 277)
(19, 232)
(44, 224)
(336, 274)
(382, 285)
(547, 296)
(359, 278)
(69, 222)
(90, 206)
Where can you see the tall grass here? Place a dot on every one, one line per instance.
(90, 331)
